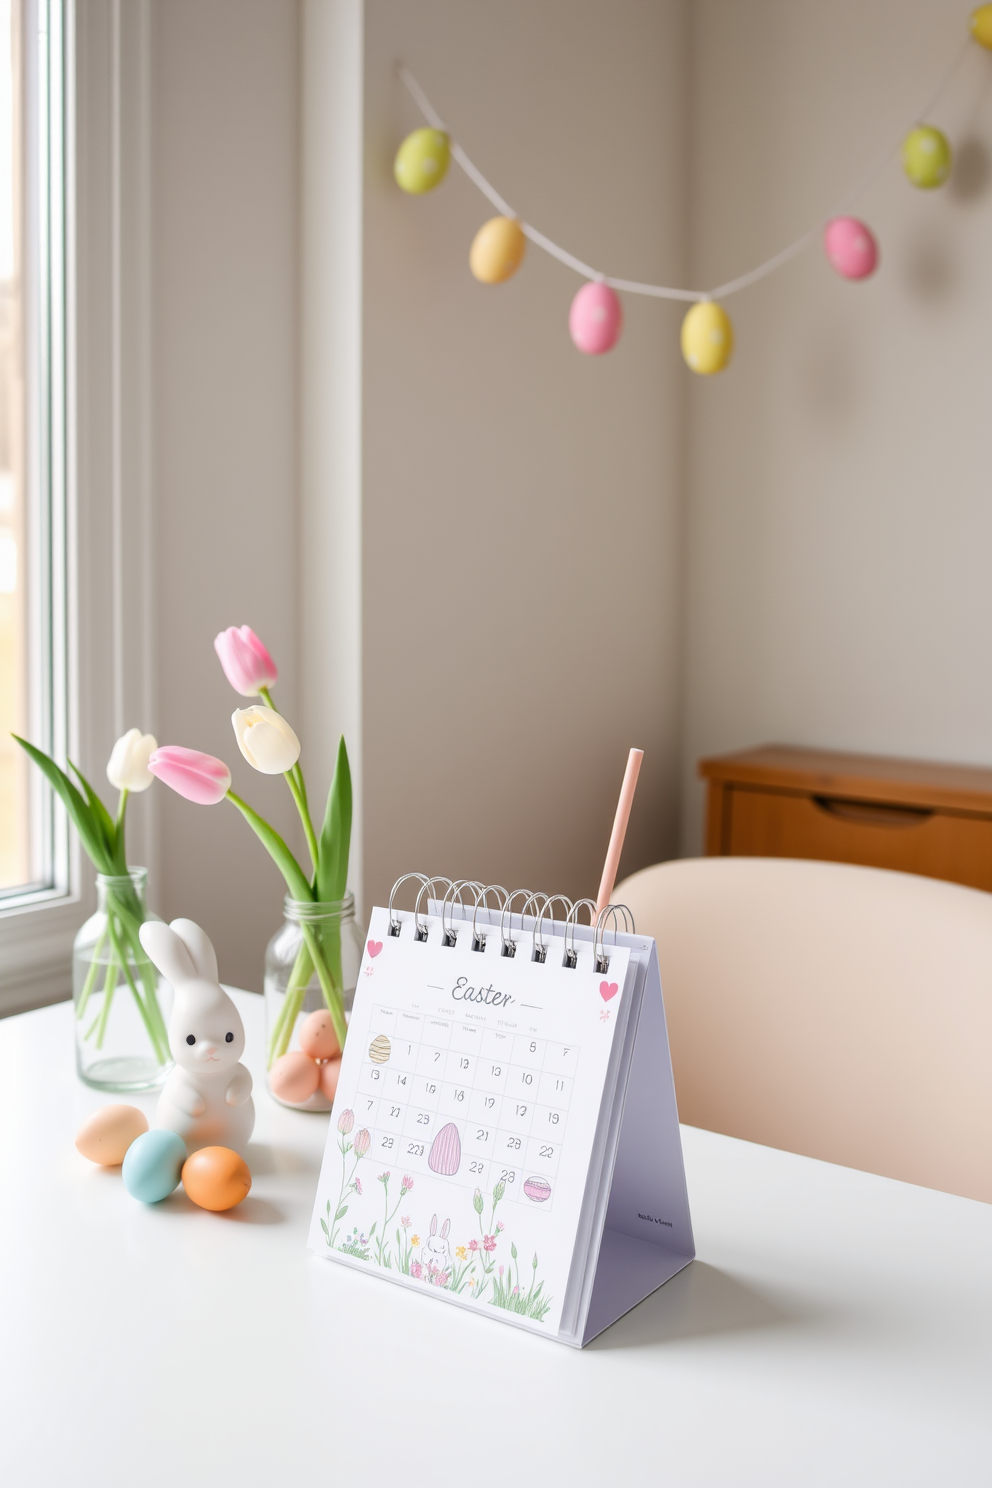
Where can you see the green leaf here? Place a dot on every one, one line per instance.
(296, 881)
(335, 835)
(341, 1212)
(103, 819)
(90, 834)
(372, 1230)
(323, 1226)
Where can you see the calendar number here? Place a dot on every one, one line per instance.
(401, 1079)
(482, 1135)
(508, 1175)
(553, 1117)
(533, 1048)
(463, 1063)
(459, 1095)
(476, 1167)
(423, 1119)
(514, 1143)
(387, 1142)
(490, 1102)
(521, 1110)
(547, 1151)
(497, 1070)
(527, 1078)
(431, 1088)
(394, 1110)
(415, 1149)
(375, 1074)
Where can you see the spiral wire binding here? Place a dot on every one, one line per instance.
(535, 903)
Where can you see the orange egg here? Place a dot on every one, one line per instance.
(330, 1073)
(317, 1036)
(294, 1077)
(105, 1137)
(216, 1178)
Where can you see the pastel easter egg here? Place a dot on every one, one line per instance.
(294, 1077)
(926, 157)
(107, 1134)
(216, 1178)
(317, 1036)
(981, 25)
(330, 1074)
(850, 247)
(153, 1164)
(446, 1151)
(497, 250)
(707, 338)
(595, 319)
(422, 161)
(380, 1049)
(538, 1189)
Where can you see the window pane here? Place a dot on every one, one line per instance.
(15, 842)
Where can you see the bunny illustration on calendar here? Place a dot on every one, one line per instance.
(477, 1116)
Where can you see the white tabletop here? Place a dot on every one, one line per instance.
(835, 1328)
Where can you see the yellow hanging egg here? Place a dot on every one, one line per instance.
(497, 250)
(422, 161)
(926, 157)
(707, 337)
(981, 25)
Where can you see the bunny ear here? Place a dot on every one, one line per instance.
(163, 947)
(434, 1225)
(445, 1228)
(197, 943)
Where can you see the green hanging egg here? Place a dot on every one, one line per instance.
(422, 161)
(926, 157)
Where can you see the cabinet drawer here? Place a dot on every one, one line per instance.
(783, 824)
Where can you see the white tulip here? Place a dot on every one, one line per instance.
(265, 739)
(127, 767)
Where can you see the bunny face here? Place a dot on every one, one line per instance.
(206, 1034)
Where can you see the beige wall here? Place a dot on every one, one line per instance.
(224, 267)
(840, 523)
(521, 502)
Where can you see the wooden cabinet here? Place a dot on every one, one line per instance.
(783, 802)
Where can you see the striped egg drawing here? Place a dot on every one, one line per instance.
(380, 1049)
(446, 1151)
(537, 1189)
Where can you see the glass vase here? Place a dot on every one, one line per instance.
(122, 1005)
(311, 963)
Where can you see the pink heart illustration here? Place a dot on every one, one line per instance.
(607, 990)
(375, 946)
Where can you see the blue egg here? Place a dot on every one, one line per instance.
(153, 1164)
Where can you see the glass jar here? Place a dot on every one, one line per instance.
(311, 963)
(122, 1005)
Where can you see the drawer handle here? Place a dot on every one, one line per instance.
(873, 813)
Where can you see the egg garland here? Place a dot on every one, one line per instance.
(422, 161)
(497, 250)
(926, 157)
(850, 247)
(595, 317)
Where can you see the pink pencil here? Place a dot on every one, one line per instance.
(624, 804)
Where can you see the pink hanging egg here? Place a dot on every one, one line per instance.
(446, 1151)
(595, 319)
(851, 247)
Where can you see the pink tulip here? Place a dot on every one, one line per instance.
(247, 665)
(199, 777)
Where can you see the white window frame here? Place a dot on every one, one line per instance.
(105, 610)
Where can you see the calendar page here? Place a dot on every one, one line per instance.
(468, 1104)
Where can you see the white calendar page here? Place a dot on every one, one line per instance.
(463, 1127)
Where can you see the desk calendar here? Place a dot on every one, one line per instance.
(504, 1135)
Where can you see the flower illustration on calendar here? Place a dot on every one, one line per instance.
(484, 1266)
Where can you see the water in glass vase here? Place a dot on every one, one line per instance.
(122, 1005)
(311, 965)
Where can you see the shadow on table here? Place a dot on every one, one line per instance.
(698, 1301)
(265, 1160)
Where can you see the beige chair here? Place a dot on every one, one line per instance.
(840, 1012)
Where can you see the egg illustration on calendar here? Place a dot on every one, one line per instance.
(380, 1049)
(538, 1189)
(446, 1151)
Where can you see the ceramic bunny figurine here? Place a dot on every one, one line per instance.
(435, 1252)
(207, 1097)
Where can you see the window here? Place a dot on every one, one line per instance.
(33, 838)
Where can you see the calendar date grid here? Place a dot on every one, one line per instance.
(506, 1094)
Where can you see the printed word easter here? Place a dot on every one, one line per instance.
(461, 992)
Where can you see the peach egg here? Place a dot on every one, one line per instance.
(330, 1073)
(294, 1077)
(216, 1178)
(106, 1135)
(317, 1036)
